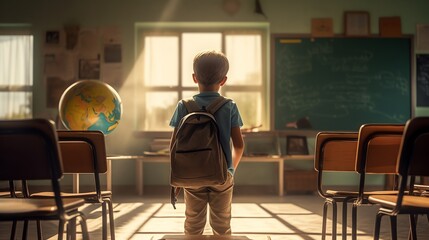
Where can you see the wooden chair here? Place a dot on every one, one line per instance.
(29, 151)
(412, 162)
(377, 152)
(335, 152)
(84, 152)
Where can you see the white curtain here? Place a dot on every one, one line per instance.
(16, 76)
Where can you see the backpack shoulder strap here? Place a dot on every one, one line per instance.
(217, 104)
(191, 105)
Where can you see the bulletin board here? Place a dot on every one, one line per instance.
(74, 53)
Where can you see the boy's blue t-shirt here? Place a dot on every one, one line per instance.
(226, 117)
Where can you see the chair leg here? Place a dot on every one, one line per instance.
(394, 235)
(68, 231)
(71, 229)
(413, 229)
(111, 220)
(325, 213)
(334, 220)
(25, 230)
(13, 230)
(344, 220)
(377, 226)
(60, 229)
(84, 227)
(39, 230)
(104, 220)
(354, 221)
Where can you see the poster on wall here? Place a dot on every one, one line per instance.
(89, 43)
(89, 69)
(52, 37)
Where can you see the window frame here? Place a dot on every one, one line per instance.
(143, 30)
(20, 30)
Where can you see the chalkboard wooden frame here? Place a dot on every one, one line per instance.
(407, 110)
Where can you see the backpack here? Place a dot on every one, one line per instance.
(197, 158)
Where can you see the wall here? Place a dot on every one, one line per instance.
(284, 16)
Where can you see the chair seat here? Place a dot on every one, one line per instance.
(35, 207)
(421, 187)
(7, 194)
(409, 203)
(86, 195)
(4, 194)
(335, 193)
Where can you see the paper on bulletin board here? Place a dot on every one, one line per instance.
(112, 74)
(111, 35)
(59, 64)
(55, 87)
(89, 44)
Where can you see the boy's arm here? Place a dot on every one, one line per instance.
(237, 146)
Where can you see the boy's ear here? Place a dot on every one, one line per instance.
(194, 78)
(223, 81)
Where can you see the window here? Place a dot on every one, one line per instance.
(164, 70)
(16, 76)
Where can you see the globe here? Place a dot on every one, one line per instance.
(90, 105)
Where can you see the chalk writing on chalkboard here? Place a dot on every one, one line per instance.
(341, 83)
(422, 71)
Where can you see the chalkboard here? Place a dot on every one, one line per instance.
(339, 83)
(422, 79)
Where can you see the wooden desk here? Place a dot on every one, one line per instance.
(140, 160)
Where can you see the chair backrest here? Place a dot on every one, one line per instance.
(29, 150)
(335, 151)
(83, 151)
(413, 158)
(378, 148)
(413, 155)
(377, 152)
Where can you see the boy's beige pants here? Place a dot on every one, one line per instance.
(219, 199)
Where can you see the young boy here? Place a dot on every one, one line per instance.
(210, 69)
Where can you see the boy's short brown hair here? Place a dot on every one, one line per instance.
(210, 67)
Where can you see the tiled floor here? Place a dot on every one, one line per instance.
(254, 217)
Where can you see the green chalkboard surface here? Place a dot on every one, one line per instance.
(339, 83)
